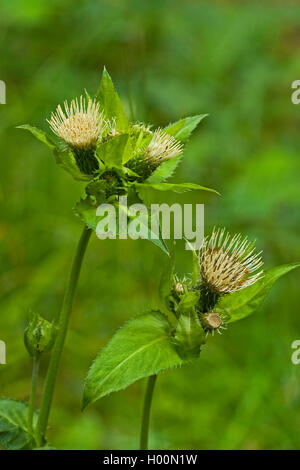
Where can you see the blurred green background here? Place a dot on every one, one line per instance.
(169, 59)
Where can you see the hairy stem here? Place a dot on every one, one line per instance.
(34, 381)
(61, 336)
(146, 412)
(208, 299)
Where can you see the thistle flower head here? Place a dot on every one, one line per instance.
(162, 147)
(228, 264)
(80, 124)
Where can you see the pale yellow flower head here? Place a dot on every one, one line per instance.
(80, 124)
(162, 147)
(228, 264)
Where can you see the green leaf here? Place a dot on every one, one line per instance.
(146, 228)
(166, 282)
(13, 425)
(115, 151)
(159, 242)
(189, 336)
(164, 171)
(86, 209)
(188, 301)
(182, 129)
(64, 159)
(242, 303)
(111, 103)
(144, 189)
(87, 212)
(139, 349)
(40, 135)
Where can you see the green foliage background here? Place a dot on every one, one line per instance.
(169, 59)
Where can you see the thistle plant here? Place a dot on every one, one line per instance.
(226, 284)
(94, 141)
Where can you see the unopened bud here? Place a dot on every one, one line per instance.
(39, 336)
(179, 289)
(212, 321)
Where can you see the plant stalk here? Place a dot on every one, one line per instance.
(63, 322)
(34, 381)
(146, 412)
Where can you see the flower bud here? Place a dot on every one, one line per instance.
(39, 336)
(212, 321)
(179, 289)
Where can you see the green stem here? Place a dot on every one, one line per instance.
(146, 412)
(34, 381)
(61, 336)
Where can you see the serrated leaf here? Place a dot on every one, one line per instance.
(242, 303)
(42, 136)
(115, 151)
(111, 103)
(140, 349)
(13, 425)
(182, 129)
(144, 189)
(164, 171)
